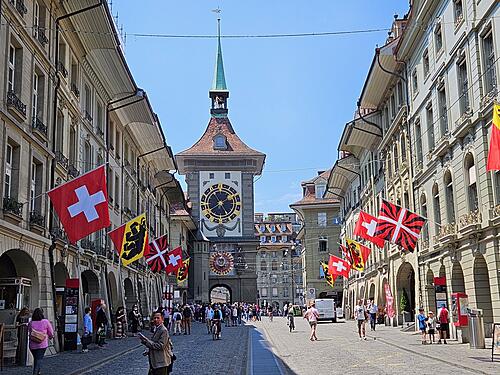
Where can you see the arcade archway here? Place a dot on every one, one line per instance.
(220, 294)
(19, 286)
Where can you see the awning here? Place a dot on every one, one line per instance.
(343, 173)
(361, 135)
(378, 80)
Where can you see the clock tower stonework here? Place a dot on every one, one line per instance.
(220, 170)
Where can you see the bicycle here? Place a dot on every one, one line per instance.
(215, 329)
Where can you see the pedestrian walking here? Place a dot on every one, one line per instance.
(40, 331)
(422, 324)
(312, 316)
(87, 330)
(120, 323)
(431, 324)
(187, 313)
(101, 322)
(373, 315)
(159, 347)
(360, 315)
(443, 318)
(134, 318)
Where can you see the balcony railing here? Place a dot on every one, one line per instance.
(15, 102)
(62, 69)
(40, 36)
(62, 160)
(472, 218)
(74, 90)
(39, 126)
(11, 205)
(20, 7)
(37, 219)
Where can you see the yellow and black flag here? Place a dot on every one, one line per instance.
(182, 271)
(131, 239)
(330, 280)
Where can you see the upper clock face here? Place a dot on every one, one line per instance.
(220, 203)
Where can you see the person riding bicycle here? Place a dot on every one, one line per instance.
(217, 318)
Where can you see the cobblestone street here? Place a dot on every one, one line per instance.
(386, 351)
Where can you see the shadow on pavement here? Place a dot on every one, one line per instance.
(263, 360)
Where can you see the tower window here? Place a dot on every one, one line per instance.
(220, 142)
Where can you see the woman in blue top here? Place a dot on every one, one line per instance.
(422, 319)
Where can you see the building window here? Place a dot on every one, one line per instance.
(275, 292)
(430, 128)
(458, 11)
(438, 38)
(470, 173)
(437, 207)
(414, 81)
(423, 212)
(450, 201)
(443, 112)
(322, 219)
(262, 239)
(425, 63)
(263, 266)
(463, 87)
(263, 292)
(323, 244)
(320, 190)
(418, 141)
(490, 75)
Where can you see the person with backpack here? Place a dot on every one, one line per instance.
(187, 313)
(40, 331)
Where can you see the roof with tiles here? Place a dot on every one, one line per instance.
(234, 145)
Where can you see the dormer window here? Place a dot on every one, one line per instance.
(220, 142)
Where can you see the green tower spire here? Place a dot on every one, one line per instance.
(219, 82)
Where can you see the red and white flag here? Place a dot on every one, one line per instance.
(82, 204)
(156, 256)
(366, 227)
(337, 266)
(174, 260)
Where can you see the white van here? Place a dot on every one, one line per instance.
(327, 309)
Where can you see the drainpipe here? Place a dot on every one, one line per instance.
(53, 165)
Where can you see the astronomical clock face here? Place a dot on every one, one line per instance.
(220, 203)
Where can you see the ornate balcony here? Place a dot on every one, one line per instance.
(40, 36)
(14, 102)
(37, 219)
(470, 221)
(62, 69)
(74, 90)
(20, 7)
(12, 206)
(62, 160)
(38, 126)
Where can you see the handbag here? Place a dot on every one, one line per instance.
(38, 336)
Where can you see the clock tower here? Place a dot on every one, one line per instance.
(220, 170)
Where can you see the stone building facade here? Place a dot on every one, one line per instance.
(68, 103)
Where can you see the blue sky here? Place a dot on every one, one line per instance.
(289, 97)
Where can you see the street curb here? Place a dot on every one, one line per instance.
(473, 370)
(103, 361)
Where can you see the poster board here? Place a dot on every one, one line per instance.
(495, 345)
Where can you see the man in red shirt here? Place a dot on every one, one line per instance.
(443, 318)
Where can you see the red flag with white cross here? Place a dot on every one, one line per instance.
(82, 204)
(338, 266)
(366, 227)
(174, 260)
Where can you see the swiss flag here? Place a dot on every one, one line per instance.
(366, 227)
(338, 266)
(174, 260)
(82, 204)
